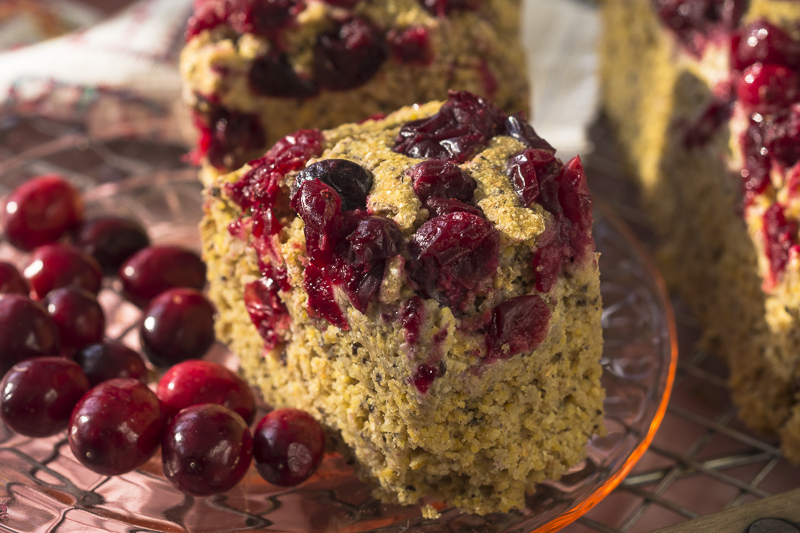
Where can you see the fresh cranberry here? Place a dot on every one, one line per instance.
(78, 315)
(693, 21)
(518, 127)
(349, 55)
(155, 269)
(453, 255)
(111, 240)
(518, 325)
(267, 311)
(196, 382)
(177, 325)
(320, 206)
(37, 395)
(522, 171)
(54, 266)
(110, 360)
(424, 376)
(439, 207)
(547, 261)
(779, 239)
(40, 211)
(263, 17)
(443, 179)
(273, 75)
(206, 450)
(766, 88)
(288, 446)
(351, 181)
(441, 8)
(207, 15)
(26, 330)
(410, 46)
(762, 42)
(11, 281)
(228, 137)
(374, 238)
(116, 427)
(321, 301)
(463, 125)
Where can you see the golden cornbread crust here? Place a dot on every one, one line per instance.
(711, 252)
(477, 51)
(484, 433)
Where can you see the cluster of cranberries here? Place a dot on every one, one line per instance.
(61, 373)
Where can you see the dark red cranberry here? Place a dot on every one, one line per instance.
(410, 46)
(320, 208)
(424, 376)
(441, 8)
(111, 240)
(347, 4)
(116, 427)
(412, 317)
(40, 211)
(267, 310)
(349, 55)
(359, 282)
(321, 301)
(762, 42)
(206, 450)
(155, 269)
(110, 360)
(350, 180)
(463, 125)
(197, 382)
(439, 207)
(273, 75)
(518, 127)
(779, 239)
(26, 330)
(522, 171)
(453, 255)
(288, 446)
(573, 194)
(79, 317)
(11, 281)
(443, 179)
(693, 21)
(208, 14)
(262, 17)
(228, 137)
(37, 395)
(766, 88)
(518, 325)
(374, 238)
(177, 325)
(549, 257)
(54, 266)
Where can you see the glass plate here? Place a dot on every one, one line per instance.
(45, 489)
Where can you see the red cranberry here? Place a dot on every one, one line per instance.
(320, 206)
(374, 238)
(694, 20)
(573, 194)
(228, 137)
(522, 170)
(263, 17)
(443, 179)
(40, 211)
(267, 311)
(351, 181)
(54, 266)
(321, 301)
(412, 317)
(779, 239)
(11, 281)
(116, 427)
(37, 395)
(347, 4)
(156, 269)
(410, 46)
(288, 446)
(197, 382)
(176, 326)
(518, 325)
(111, 240)
(463, 125)
(110, 360)
(206, 450)
(78, 315)
(208, 14)
(518, 127)
(766, 88)
(424, 376)
(349, 56)
(439, 207)
(441, 8)
(762, 42)
(273, 75)
(26, 330)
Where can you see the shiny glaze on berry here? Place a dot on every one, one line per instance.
(518, 325)
(155, 269)
(288, 446)
(79, 317)
(54, 266)
(110, 360)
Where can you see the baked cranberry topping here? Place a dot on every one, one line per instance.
(206, 450)
(111, 240)
(79, 318)
(262, 17)
(321, 302)
(351, 181)
(11, 281)
(374, 238)
(573, 194)
(229, 136)
(780, 237)
(54, 266)
(267, 310)
(410, 46)
(40, 211)
(208, 14)
(762, 42)
(412, 316)
(518, 127)
(424, 376)
(441, 8)
(288, 446)
(522, 170)
(110, 360)
(463, 125)
(767, 88)
(693, 21)
(452, 257)
(320, 207)
(350, 55)
(273, 75)
(438, 207)
(443, 179)
(347, 4)
(155, 269)
(518, 325)
(26, 330)
(549, 258)
(37, 395)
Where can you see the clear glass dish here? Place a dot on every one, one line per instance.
(45, 489)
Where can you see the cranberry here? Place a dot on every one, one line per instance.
(228, 137)
(288, 446)
(26, 330)
(155, 269)
(176, 326)
(410, 46)
(762, 42)
(694, 20)
(111, 240)
(779, 239)
(197, 382)
(11, 281)
(374, 238)
(206, 450)
(321, 301)
(347, 4)
(116, 427)
(781, 136)
(424, 376)
(54, 266)
(359, 282)
(453, 255)
(78, 315)
(267, 311)
(766, 88)
(440, 8)
(207, 15)
(351, 181)
(443, 179)
(109, 360)
(522, 170)
(444, 206)
(273, 75)
(40, 211)
(518, 127)
(463, 125)
(263, 17)
(573, 194)
(37, 395)
(518, 325)
(349, 56)
(320, 206)
(412, 317)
